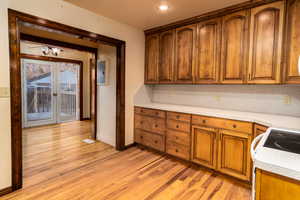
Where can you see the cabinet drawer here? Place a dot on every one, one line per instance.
(245, 127)
(139, 136)
(151, 124)
(150, 112)
(178, 150)
(178, 137)
(154, 141)
(149, 139)
(179, 126)
(179, 116)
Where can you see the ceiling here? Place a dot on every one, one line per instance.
(144, 14)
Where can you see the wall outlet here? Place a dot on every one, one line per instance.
(4, 92)
(217, 98)
(287, 100)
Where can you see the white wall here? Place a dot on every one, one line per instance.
(106, 101)
(254, 98)
(66, 13)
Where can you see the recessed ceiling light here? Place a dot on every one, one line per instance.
(163, 7)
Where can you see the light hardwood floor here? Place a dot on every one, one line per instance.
(58, 166)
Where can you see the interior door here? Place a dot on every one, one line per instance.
(68, 92)
(38, 87)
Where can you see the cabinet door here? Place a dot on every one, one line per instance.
(259, 129)
(184, 53)
(266, 43)
(151, 59)
(293, 41)
(235, 31)
(204, 146)
(234, 154)
(208, 52)
(166, 57)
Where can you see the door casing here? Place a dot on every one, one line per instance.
(14, 19)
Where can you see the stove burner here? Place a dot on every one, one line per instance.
(284, 141)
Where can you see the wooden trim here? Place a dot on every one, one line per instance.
(14, 17)
(65, 28)
(213, 14)
(5, 191)
(85, 119)
(53, 59)
(42, 40)
(120, 120)
(130, 145)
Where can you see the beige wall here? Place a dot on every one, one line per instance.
(33, 49)
(65, 13)
(107, 97)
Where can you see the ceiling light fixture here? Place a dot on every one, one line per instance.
(51, 50)
(163, 7)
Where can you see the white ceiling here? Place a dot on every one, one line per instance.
(144, 14)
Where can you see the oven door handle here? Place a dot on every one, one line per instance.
(255, 141)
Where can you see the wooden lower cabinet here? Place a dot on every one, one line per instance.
(204, 146)
(269, 186)
(219, 144)
(234, 154)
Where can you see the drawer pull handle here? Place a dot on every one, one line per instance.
(177, 126)
(176, 150)
(142, 122)
(204, 121)
(141, 137)
(234, 126)
(156, 113)
(155, 141)
(156, 125)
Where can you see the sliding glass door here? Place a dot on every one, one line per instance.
(50, 92)
(68, 102)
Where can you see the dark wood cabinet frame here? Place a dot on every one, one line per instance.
(14, 19)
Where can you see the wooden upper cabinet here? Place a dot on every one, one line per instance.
(184, 54)
(152, 59)
(234, 56)
(292, 74)
(166, 57)
(234, 154)
(265, 43)
(208, 52)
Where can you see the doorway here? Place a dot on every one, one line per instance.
(50, 92)
(15, 21)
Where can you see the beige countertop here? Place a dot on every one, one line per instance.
(270, 120)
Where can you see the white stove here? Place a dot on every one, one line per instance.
(277, 151)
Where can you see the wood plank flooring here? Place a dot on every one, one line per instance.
(58, 166)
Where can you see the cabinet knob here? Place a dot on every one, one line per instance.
(177, 126)
(155, 141)
(176, 138)
(176, 150)
(156, 113)
(142, 111)
(141, 137)
(142, 122)
(177, 116)
(234, 126)
(204, 121)
(156, 125)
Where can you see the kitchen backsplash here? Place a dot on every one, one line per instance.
(272, 99)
